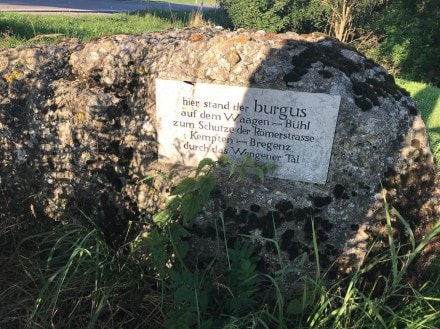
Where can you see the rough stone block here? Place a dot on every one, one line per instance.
(79, 131)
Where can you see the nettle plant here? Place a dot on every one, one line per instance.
(201, 296)
(192, 193)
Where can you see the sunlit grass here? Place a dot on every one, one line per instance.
(428, 100)
(19, 29)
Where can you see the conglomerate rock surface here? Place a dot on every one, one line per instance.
(78, 134)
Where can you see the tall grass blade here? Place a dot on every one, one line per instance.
(408, 229)
(316, 252)
(393, 252)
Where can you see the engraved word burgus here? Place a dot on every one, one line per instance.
(293, 129)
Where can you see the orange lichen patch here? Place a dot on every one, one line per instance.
(196, 37)
(14, 75)
(271, 36)
(234, 40)
(220, 39)
(240, 39)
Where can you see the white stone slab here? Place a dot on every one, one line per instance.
(294, 129)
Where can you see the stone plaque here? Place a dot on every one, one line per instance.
(294, 129)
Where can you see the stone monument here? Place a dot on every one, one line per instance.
(83, 123)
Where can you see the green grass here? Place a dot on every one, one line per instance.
(69, 277)
(17, 29)
(26, 28)
(428, 100)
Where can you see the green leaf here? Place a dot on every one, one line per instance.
(174, 204)
(202, 164)
(187, 185)
(222, 161)
(158, 246)
(248, 161)
(245, 264)
(163, 217)
(206, 185)
(271, 166)
(177, 231)
(150, 177)
(294, 307)
(181, 249)
(191, 205)
(242, 174)
(260, 173)
(232, 169)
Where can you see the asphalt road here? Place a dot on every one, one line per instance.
(90, 6)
